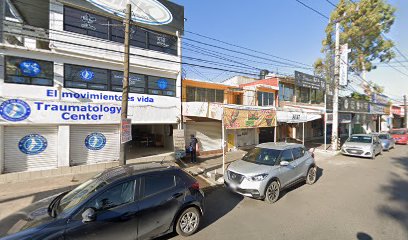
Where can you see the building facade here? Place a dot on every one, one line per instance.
(61, 72)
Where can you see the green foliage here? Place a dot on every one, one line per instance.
(359, 96)
(362, 24)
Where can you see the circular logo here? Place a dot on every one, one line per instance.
(162, 83)
(14, 110)
(95, 141)
(87, 75)
(30, 68)
(152, 11)
(32, 144)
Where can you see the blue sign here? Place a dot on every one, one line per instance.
(30, 68)
(15, 110)
(162, 83)
(95, 141)
(87, 75)
(32, 144)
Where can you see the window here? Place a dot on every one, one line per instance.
(162, 42)
(85, 23)
(111, 80)
(265, 99)
(154, 184)
(262, 156)
(137, 82)
(298, 153)
(286, 92)
(105, 28)
(303, 95)
(161, 86)
(118, 195)
(29, 71)
(85, 77)
(204, 95)
(317, 96)
(286, 156)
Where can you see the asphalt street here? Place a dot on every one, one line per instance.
(354, 198)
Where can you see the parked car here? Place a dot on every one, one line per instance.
(130, 202)
(270, 167)
(362, 145)
(400, 135)
(387, 142)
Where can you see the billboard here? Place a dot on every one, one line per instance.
(248, 118)
(309, 81)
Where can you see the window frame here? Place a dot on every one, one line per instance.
(265, 95)
(108, 80)
(30, 79)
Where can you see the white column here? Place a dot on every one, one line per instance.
(223, 144)
(1, 149)
(63, 145)
(274, 133)
(303, 133)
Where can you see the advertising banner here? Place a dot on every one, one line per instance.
(377, 109)
(296, 117)
(246, 118)
(179, 143)
(309, 81)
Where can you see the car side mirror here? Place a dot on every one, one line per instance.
(284, 163)
(89, 215)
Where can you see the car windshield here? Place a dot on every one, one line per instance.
(383, 136)
(398, 132)
(360, 139)
(80, 193)
(262, 156)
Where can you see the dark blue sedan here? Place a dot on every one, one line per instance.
(131, 202)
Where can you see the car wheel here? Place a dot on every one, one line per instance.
(188, 222)
(311, 175)
(272, 192)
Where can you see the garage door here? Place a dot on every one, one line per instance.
(93, 144)
(209, 134)
(30, 148)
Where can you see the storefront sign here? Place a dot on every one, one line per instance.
(162, 83)
(376, 109)
(309, 81)
(245, 118)
(95, 141)
(347, 104)
(126, 130)
(87, 75)
(296, 117)
(158, 14)
(32, 144)
(343, 118)
(15, 110)
(379, 99)
(179, 143)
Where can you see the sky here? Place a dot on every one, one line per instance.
(282, 28)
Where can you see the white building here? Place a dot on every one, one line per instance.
(61, 71)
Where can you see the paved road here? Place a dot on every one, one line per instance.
(354, 198)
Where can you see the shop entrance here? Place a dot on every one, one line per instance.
(149, 140)
(266, 134)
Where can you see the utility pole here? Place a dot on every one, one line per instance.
(405, 112)
(125, 90)
(335, 124)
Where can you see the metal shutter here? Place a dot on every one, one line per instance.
(80, 154)
(17, 161)
(209, 134)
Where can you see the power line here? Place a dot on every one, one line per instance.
(314, 10)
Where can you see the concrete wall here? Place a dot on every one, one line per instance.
(1, 149)
(63, 145)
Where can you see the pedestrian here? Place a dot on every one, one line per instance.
(193, 148)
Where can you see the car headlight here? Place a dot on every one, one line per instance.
(257, 178)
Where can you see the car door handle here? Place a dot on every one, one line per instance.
(177, 195)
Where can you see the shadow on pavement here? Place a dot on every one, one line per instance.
(363, 236)
(397, 192)
(219, 202)
(319, 174)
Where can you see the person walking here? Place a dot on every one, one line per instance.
(193, 148)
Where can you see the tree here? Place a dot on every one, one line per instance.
(363, 24)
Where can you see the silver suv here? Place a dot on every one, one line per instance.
(268, 168)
